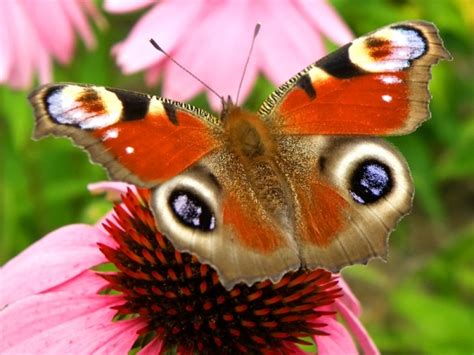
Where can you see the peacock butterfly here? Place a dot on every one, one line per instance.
(301, 183)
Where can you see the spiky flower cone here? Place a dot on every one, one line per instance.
(183, 303)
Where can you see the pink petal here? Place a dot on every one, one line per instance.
(86, 283)
(215, 52)
(122, 6)
(53, 28)
(116, 340)
(160, 23)
(357, 329)
(152, 75)
(339, 341)
(249, 80)
(6, 50)
(90, 8)
(87, 331)
(36, 314)
(247, 86)
(23, 46)
(286, 50)
(78, 20)
(152, 348)
(348, 298)
(113, 189)
(179, 85)
(326, 20)
(44, 66)
(56, 258)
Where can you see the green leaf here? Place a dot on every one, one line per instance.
(439, 323)
(417, 151)
(458, 162)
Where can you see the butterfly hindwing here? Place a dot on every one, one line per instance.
(138, 138)
(349, 193)
(375, 85)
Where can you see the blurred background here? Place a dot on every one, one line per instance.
(421, 301)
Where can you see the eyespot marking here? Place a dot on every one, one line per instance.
(191, 210)
(370, 181)
(87, 107)
(390, 49)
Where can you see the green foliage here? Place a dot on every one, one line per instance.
(420, 301)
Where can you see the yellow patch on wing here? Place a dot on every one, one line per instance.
(156, 107)
(317, 75)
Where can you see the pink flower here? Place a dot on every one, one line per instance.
(52, 300)
(212, 38)
(32, 33)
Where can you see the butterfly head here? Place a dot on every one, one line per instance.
(227, 107)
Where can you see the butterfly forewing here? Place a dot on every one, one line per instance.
(138, 138)
(375, 85)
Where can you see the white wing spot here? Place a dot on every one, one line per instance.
(111, 133)
(387, 98)
(129, 150)
(389, 79)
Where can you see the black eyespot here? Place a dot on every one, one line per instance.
(192, 211)
(370, 181)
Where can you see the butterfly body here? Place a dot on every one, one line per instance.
(303, 183)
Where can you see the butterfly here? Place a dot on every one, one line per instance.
(303, 183)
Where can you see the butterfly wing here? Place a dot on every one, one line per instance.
(375, 85)
(350, 190)
(138, 138)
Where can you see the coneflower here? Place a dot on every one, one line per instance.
(157, 299)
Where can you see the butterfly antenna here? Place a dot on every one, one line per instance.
(255, 33)
(154, 44)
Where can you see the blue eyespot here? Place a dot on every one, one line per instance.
(370, 181)
(191, 211)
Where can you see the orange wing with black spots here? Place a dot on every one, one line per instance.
(138, 138)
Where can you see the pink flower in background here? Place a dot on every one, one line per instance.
(34, 32)
(50, 301)
(212, 38)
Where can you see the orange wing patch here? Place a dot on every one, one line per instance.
(155, 148)
(369, 104)
(253, 233)
(322, 214)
